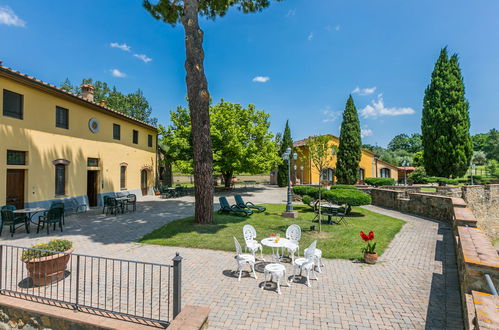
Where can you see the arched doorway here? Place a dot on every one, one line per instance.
(143, 182)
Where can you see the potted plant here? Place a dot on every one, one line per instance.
(45, 265)
(370, 256)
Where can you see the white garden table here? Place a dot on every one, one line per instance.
(270, 242)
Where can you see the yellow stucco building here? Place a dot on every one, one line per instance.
(370, 166)
(55, 145)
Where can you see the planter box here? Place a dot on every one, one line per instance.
(48, 270)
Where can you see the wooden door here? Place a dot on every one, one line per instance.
(143, 182)
(15, 188)
(92, 187)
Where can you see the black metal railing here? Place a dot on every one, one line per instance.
(132, 290)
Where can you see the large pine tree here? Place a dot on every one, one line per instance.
(347, 164)
(282, 172)
(445, 123)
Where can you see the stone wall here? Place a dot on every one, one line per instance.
(426, 205)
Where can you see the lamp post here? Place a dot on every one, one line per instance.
(404, 164)
(472, 167)
(301, 169)
(294, 174)
(287, 156)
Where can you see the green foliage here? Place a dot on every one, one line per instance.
(349, 151)
(52, 247)
(418, 159)
(479, 158)
(493, 168)
(445, 123)
(171, 11)
(441, 181)
(286, 142)
(418, 176)
(488, 143)
(379, 181)
(411, 144)
(307, 200)
(351, 195)
(347, 196)
(241, 139)
(133, 104)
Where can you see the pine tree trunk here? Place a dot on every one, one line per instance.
(199, 102)
(227, 178)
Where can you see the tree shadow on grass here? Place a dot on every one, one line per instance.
(188, 225)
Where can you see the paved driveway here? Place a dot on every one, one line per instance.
(413, 286)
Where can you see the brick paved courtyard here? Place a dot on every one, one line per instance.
(413, 286)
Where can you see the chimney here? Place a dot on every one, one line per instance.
(103, 103)
(87, 92)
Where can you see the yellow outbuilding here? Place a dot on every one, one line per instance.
(370, 166)
(55, 145)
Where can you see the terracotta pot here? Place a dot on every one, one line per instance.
(48, 270)
(370, 258)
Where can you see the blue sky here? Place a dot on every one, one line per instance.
(297, 60)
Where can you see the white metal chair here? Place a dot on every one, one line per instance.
(306, 263)
(318, 260)
(252, 244)
(278, 272)
(243, 259)
(293, 234)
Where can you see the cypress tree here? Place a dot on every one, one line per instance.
(347, 164)
(282, 170)
(445, 122)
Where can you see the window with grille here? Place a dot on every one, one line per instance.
(116, 132)
(61, 117)
(60, 179)
(15, 157)
(92, 162)
(135, 138)
(149, 140)
(12, 104)
(123, 177)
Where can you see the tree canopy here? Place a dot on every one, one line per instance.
(487, 143)
(242, 142)
(349, 151)
(445, 123)
(320, 155)
(411, 144)
(286, 142)
(133, 104)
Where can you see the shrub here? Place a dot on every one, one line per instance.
(307, 200)
(52, 247)
(343, 186)
(379, 181)
(305, 190)
(314, 191)
(347, 196)
(441, 181)
(419, 176)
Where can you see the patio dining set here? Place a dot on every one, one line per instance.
(119, 204)
(15, 218)
(311, 262)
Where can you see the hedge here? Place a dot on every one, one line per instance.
(440, 180)
(307, 200)
(380, 181)
(352, 197)
(347, 196)
(314, 191)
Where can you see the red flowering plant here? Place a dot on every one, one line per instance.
(368, 238)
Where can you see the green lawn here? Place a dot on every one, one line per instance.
(335, 241)
(428, 189)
